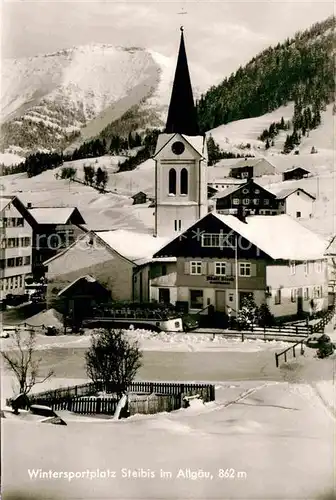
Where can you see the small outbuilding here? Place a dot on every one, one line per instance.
(139, 198)
(295, 174)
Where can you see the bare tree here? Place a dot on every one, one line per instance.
(113, 359)
(22, 361)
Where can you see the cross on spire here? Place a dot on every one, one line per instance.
(182, 116)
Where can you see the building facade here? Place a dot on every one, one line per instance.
(15, 247)
(297, 203)
(252, 167)
(247, 199)
(220, 261)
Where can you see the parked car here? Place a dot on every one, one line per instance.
(325, 350)
(190, 322)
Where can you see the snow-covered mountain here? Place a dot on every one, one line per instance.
(46, 100)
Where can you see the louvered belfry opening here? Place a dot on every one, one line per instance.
(182, 115)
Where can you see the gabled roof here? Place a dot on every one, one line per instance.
(233, 189)
(137, 194)
(284, 193)
(252, 161)
(292, 169)
(278, 236)
(182, 115)
(196, 142)
(17, 203)
(56, 215)
(88, 278)
(331, 248)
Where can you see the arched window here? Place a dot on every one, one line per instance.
(172, 181)
(184, 181)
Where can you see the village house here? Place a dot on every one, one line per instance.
(296, 202)
(221, 260)
(54, 228)
(295, 174)
(246, 199)
(248, 168)
(15, 246)
(110, 257)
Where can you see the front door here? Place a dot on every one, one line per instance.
(220, 300)
(164, 295)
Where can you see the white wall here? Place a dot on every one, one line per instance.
(299, 202)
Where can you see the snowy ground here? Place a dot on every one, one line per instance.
(267, 440)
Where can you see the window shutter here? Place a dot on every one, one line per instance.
(211, 268)
(253, 269)
(228, 269)
(204, 268)
(187, 267)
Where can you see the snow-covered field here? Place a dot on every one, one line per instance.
(257, 440)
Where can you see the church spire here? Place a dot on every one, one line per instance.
(182, 116)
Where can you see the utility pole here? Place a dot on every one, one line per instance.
(236, 272)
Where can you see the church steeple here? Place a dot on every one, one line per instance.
(182, 116)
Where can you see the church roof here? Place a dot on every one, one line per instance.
(182, 115)
(196, 142)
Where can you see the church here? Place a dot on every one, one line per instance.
(180, 159)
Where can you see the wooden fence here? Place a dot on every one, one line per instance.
(157, 396)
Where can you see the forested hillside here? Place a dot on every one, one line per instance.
(301, 69)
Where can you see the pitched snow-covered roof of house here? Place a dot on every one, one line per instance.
(279, 236)
(227, 192)
(293, 168)
(136, 247)
(55, 215)
(88, 278)
(4, 201)
(197, 142)
(284, 193)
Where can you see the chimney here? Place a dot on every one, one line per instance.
(29, 205)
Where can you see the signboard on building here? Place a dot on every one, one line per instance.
(220, 280)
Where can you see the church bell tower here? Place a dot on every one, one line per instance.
(180, 159)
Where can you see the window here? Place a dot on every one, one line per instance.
(2, 263)
(177, 225)
(277, 297)
(27, 260)
(195, 267)
(218, 240)
(244, 269)
(317, 292)
(266, 201)
(164, 295)
(15, 281)
(292, 267)
(11, 262)
(184, 181)
(318, 266)
(293, 294)
(298, 193)
(306, 268)
(256, 201)
(12, 242)
(18, 261)
(19, 222)
(196, 299)
(245, 191)
(244, 175)
(306, 293)
(220, 268)
(172, 181)
(298, 215)
(257, 191)
(235, 201)
(246, 201)
(25, 242)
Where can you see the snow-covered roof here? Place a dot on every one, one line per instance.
(53, 215)
(197, 142)
(284, 193)
(279, 236)
(227, 192)
(292, 169)
(88, 278)
(5, 200)
(136, 247)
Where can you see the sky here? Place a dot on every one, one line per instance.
(220, 35)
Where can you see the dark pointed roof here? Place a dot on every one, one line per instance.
(182, 116)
